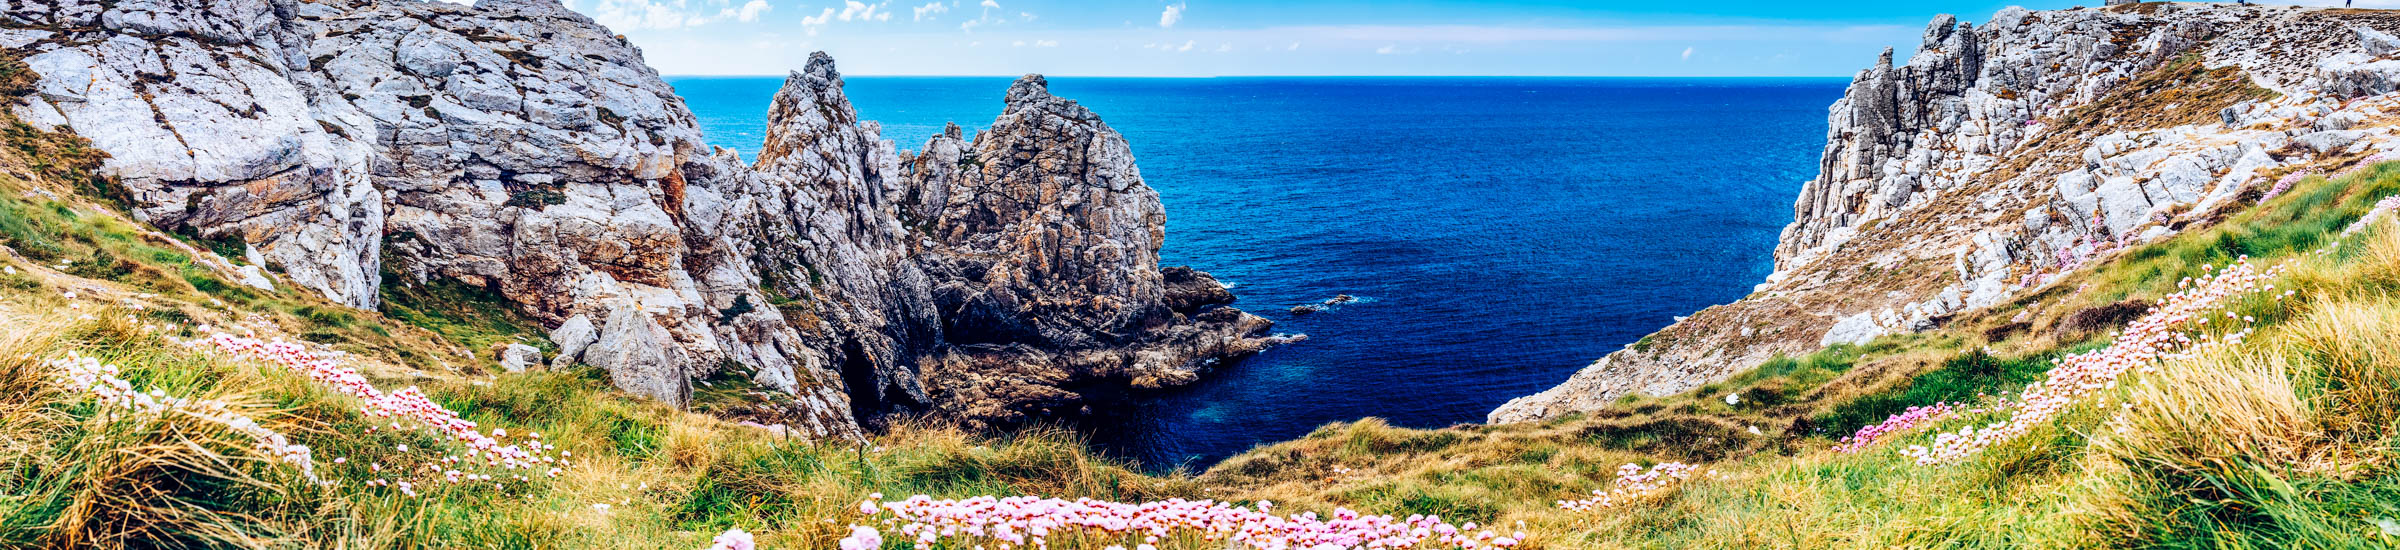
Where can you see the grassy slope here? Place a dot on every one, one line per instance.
(2173, 480)
(2286, 441)
(75, 475)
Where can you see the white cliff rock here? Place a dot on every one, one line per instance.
(518, 147)
(519, 357)
(2002, 155)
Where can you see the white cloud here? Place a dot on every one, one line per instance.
(1027, 15)
(1167, 19)
(1187, 46)
(1687, 54)
(751, 11)
(1019, 43)
(969, 25)
(861, 11)
(627, 15)
(1386, 49)
(929, 10)
(1295, 47)
(990, 5)
(1225, 47)
(811, 24)
(1045, 43)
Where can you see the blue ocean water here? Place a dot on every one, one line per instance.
(1501, 233)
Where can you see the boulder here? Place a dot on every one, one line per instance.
(519, 357)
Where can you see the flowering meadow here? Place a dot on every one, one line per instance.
(488, 459)
(1633, 483)
(1032, 522)
(2161, 335)
(1907, 420)
(88, 376)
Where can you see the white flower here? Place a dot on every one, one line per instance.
(1733, 399)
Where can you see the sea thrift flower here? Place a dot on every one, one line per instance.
(411, 404)
(2362, 165)
(2285, 184)
(734, 539)
(2382, 209)
(2148, 341)
(87, 375)
(1030, 522)
(1906, 420)
(862, 538)
(1633, 483)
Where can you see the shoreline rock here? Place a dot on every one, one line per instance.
(2005, 154)
(517, 146)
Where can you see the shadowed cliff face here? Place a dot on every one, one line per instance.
(519, 147)
(2005, 154)
(982, 280)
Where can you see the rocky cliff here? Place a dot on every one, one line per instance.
(519, 147)
(2002, 155)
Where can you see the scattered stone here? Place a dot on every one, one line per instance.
(520, 357)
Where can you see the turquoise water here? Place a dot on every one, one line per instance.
(1501, 233)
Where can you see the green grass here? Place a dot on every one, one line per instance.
(480, 320)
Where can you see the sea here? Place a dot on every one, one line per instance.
(1498, 233)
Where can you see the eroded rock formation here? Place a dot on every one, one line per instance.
(2005, 154)
(519, 147)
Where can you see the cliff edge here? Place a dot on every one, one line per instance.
(517, 147)
(2000, 156)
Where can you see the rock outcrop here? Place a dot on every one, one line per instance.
(1046, 269)
(519, 147)
(2003, 155)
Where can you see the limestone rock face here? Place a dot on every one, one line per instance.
(519, 147)
(2002, 155)
(211, 129)
(1045, 267)
(989, 280)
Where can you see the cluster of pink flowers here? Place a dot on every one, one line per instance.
(487, 451)
(1030, 522)
(734, 539)
(100, 380)
(2382, 209)
(2285, 184)
(1634, 483)
(2070, 257)
(2154, 338)
(1906, 420)
(2362, 165)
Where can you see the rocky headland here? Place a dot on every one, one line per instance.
(350, 147)
(2003, 155)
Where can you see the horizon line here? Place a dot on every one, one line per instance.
(1201, 77)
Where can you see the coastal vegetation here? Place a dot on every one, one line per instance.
(152, 403)
(2230, 385)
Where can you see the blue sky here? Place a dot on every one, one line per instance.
(1281, 37)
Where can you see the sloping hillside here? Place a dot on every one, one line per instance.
(2229, 385)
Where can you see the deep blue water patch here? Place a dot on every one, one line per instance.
(1502, 232)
